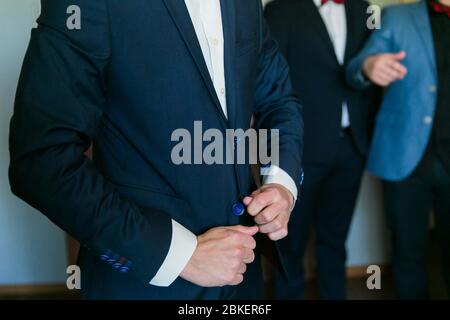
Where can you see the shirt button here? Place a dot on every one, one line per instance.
(432, 88)
(428, 120)
(222, 91)
(238, 209)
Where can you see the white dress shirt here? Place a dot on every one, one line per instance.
(335, 19)
(206, 18)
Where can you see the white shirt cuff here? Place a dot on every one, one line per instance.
(181, 249)
(275, 174)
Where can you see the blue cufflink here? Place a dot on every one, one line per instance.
(238, 209)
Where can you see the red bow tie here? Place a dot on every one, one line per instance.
(335, 1)
(439, 7)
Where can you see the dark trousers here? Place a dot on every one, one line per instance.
(408, 204)
(325, 206)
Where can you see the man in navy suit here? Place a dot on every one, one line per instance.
(318, 38)
(125, 77)
(410, 56)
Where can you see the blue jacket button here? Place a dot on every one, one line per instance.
(116, 266)
(104, 257)
(124, 269)
(113, 260)
(238, 209)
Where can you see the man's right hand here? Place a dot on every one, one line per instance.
(221, 256)
(384, 69)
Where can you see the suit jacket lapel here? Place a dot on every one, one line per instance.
(229, 32)
(318, 24)
(182, 20)
(351, 27)
(423, 25)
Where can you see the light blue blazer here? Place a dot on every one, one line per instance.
(405, 120)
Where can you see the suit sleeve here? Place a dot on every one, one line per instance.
(277, 107)
(60, 97)
(380, 41)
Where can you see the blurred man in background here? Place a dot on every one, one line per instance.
(410, 56)
(318, 37)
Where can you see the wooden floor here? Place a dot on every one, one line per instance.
(357, 289)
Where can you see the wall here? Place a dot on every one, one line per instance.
(32, 250)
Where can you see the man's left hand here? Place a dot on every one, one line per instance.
(271, 206)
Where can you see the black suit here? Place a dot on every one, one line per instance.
(333, 158)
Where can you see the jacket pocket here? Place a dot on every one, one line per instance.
(152, 199)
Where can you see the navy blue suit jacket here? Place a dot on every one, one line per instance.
(125, 81)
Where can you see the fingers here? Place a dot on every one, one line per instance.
(236, 280)
(240, 239)
(278, 235)
(385, 69)
(401, 69)
(247, 200)
(260, 201)
(384, 77)
(394, 69)
(268, 214)
(248, 256)
(399, 56)
(242, 268)
(273, 226)
(251, 231)
(247, 242)
(390, 73)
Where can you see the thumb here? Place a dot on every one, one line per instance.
(251, 231)
(247, 200)
(399, 56)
